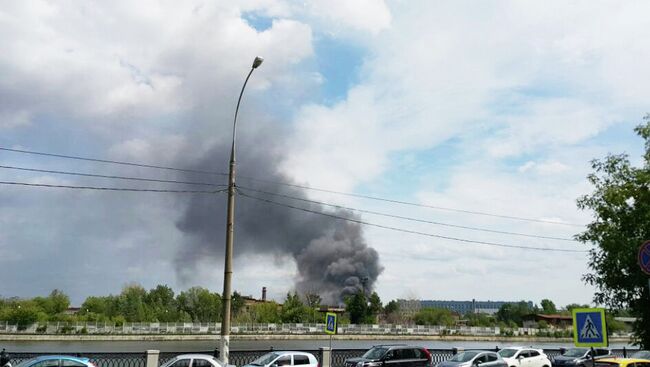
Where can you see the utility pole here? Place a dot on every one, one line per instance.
(230, 224)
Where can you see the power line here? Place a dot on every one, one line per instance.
(361, 196)
(112, 162)
(408, 203)
(407, 230)
(408, 218)
(100, 188)
(70, 173)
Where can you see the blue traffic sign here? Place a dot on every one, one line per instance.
(589, 328)
(330, 323)
(644, 257)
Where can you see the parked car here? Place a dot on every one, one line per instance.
(286, 358)
(641, 354)
(622, 362)
(524, 357)
(56, 361)
(579, 357)
(474, 358)
(194, 360)
(392, 356)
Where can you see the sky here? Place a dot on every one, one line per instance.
(492, 107)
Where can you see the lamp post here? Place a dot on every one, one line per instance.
(230, 221)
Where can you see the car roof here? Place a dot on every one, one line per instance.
(628, 360)
(61, 356)
(195, 355)
(284, 352)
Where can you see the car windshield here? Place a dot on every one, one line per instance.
(464, 357)
(575, 352)
(265, 359)
(507, 353)
(642, 354)
(375, 353)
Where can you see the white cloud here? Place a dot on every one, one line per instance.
(346, 17)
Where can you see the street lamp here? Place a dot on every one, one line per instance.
(230, 222)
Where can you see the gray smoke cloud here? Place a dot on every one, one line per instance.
(332, 256)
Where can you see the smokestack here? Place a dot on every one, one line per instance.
(264, 294)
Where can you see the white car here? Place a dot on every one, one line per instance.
(288, 358)
(524, 357)
(194, 360)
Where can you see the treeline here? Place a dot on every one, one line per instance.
(197, 304)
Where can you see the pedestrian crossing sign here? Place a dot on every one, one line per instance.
(589, 328)
(330, 323)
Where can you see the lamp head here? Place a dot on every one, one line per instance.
(258, 61)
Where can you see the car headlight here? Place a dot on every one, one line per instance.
(359, 364)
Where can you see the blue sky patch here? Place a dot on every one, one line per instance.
(339, 63)
(258, 21)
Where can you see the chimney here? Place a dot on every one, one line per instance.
(264, 294)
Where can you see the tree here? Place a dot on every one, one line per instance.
(313, 300)
(162, 303)
(513, 313)
(236, 303)
(434, 316)
(620, 203)
(293, 310)
(357, 307)
(201, 304)
(548, 307)
(391, 307)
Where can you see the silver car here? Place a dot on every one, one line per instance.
(194, 360)
(287, 358)
(472, 358)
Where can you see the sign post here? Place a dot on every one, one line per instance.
(589, 327)
(330, 328)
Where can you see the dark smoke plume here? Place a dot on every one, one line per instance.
(332, 256)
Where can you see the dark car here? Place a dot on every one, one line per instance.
(579, 357)
(392, 356)
(473, 358)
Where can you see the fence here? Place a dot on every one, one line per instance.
(161, 328)
(242, 357)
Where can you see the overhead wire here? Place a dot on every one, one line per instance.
(102, 188)
(405, 217)
(349, 194)
(397, 229)
(146, 179)
(112, 161)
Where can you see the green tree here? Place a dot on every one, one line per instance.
(293, 310)
(357, 307)
(236, 303)
(201, 304)
(266, 313)
(132, 304)
(434, 316)
(391, 307)
(513, 313)
(620, 205)
(162, 303)
(375, 306)
(548, 307)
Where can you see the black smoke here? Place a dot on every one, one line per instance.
(332, 257)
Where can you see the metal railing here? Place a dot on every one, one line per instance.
(179, 328)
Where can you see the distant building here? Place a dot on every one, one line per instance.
(409, 307)
(554, 321)
(72, 311)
